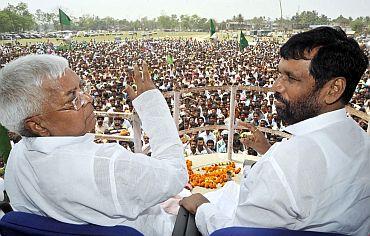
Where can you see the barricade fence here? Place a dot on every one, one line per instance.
(134, 118)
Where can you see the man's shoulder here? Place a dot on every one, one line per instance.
(302, 141)
(297, 147)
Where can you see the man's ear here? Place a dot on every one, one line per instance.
(34, 125)
(334, 90)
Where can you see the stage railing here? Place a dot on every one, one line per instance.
(134, 118)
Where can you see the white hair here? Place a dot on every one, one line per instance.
(21, 93)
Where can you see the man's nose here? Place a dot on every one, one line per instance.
(278, 86)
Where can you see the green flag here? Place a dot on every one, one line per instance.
(169, 59)
(63, 18)
(5, 146)
(243, 42)
(63, 47)
(212, 28)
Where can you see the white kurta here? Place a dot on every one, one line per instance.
(75, 180)
(319, 180)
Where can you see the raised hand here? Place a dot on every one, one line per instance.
(142, 81)
(256, 139)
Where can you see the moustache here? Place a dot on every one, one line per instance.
(280, 98)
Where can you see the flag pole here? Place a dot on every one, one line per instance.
(281, 16)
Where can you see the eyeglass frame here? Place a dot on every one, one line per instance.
(82, 94)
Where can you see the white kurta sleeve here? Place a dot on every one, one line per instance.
(137, 181)
(264, 201)
(209, 218)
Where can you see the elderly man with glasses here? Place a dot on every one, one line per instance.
(57, 170)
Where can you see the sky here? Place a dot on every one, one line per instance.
(216, 9)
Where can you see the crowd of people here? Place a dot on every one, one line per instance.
(58, 169)
(107, 67)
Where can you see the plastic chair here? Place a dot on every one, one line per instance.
(17, 223)
(247, 231)
(185, 224)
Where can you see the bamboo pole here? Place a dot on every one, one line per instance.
(198, 129)
(357, 113)
(113, 137)
(360, 114)
(120, 114)
(230, 139)
(136, 124)
(176, 108)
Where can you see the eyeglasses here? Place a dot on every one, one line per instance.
(82, 98)
(79, 101)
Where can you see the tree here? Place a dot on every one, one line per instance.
(21, 18)
(164, 22)
(5, 22)
(174, 21)
(240, 19)
(123, 24)
(44, 20)
(185, 22)
(286, 23)
(145, 23)
(16, 18)
(203, 24)
(307, 18)
(195, 19)
(258, 22)
(342, 21)
(108, 23)
(136, 25)
(358, 25)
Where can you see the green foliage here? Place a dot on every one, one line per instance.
(16, 18)
(5, 22)
(361, 24)
(167, 22)
(342, 21)
(46, 21)
(306, 18)
(258, 22)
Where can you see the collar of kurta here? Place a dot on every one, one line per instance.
(48, 144)
(317, 122)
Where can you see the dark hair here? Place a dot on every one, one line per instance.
(212, 116)
(337, 56)
(210, 141)
(200, 139)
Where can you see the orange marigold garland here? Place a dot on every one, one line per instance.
(212, 176)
